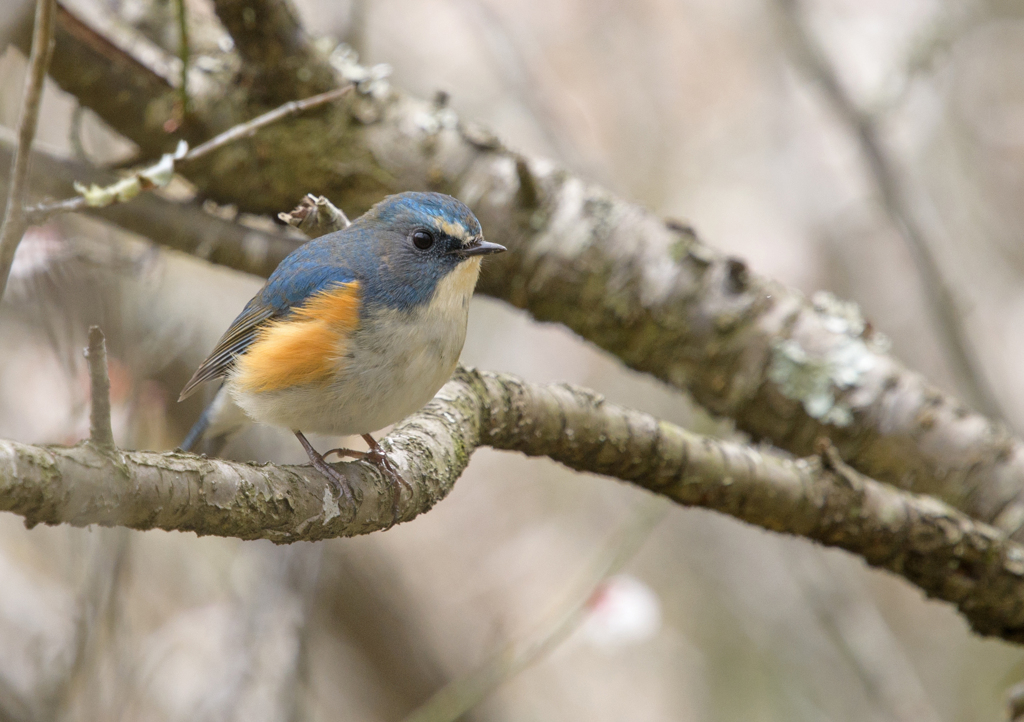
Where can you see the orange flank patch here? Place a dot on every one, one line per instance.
(304, 348)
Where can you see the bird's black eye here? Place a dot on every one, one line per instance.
(423, 239)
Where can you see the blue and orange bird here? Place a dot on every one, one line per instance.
(353, 331)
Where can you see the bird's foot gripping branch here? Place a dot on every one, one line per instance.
(943, 551)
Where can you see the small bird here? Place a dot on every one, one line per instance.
(353, 331)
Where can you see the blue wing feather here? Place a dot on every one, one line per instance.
(309, 269)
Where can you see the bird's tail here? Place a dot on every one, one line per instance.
(220, 420)
(198, 430)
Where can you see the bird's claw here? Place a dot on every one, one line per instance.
(379, 458)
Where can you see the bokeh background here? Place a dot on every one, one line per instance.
(702, 110)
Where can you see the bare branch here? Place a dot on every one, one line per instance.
(943, 551)
(100, 433)
(651, 293)
(14, 217)
(181, 13)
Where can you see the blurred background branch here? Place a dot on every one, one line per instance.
(183, 226)
(279, 64)
(457, 698)
(13, 226)
(942, 300)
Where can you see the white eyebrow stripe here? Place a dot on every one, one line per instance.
(455, 230)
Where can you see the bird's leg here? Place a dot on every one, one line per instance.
(378, 458)
(337, 479)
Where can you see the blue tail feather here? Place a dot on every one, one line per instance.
(195, 434)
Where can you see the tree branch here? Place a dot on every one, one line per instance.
(316, 216)
(651, 293)
(943, 551)
(279, 63)
(14, 224)
(249, 128)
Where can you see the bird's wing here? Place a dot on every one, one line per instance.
(236, 340)
(310, 269)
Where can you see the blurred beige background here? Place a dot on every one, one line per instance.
(694, 108)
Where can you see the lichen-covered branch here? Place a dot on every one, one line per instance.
(943, 551)
(786, 369)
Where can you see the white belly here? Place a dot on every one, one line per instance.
(383, 376)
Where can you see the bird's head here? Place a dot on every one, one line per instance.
(422, 243)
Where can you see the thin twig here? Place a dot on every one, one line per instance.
(460, 696)
(244, 130)
(938, 291)
(38, 213)
(39, 60)
(100, 432)
(183, 53)
(183, 226)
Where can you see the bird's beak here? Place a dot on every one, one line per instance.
(483, 248)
